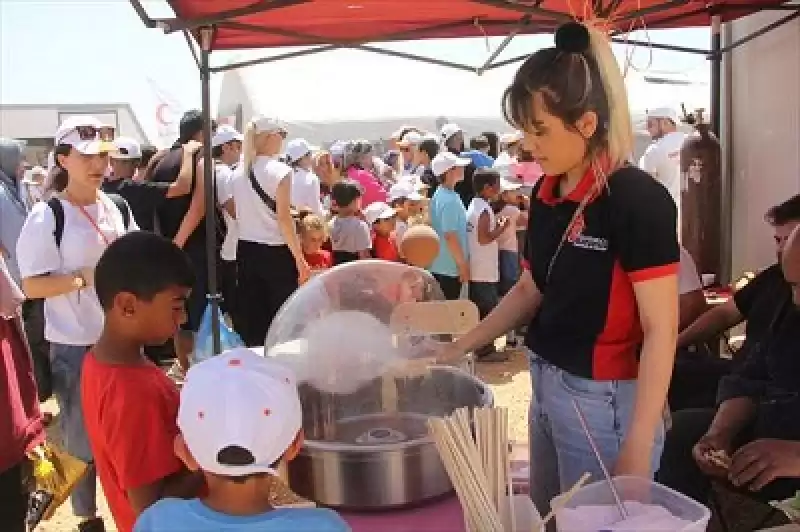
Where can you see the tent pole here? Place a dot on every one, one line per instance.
(206, 37)
(716, 72)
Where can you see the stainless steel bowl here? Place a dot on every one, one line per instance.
(370, 449)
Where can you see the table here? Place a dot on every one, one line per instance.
(439, 516)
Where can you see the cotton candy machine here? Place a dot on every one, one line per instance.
(350, 336)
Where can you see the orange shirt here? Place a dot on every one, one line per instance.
(130, 414)
(384, 247)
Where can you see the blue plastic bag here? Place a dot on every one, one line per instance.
(204, 345)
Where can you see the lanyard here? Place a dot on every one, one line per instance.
(92, 221)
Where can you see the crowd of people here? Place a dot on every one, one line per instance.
(580, 247)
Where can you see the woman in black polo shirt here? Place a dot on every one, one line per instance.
(599, 290)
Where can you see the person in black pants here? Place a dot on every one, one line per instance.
(756, 423)
(270, 260)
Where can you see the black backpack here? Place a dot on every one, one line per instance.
(58, 212)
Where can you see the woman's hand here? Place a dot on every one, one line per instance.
(303, 271)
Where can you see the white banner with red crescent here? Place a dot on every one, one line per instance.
(168, 113)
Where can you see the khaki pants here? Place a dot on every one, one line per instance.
(784, 528)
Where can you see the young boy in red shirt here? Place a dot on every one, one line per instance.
(130, 406)
(382, 219)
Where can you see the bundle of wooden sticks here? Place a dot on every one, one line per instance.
(475, 453)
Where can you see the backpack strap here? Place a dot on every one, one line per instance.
(58, 213)
(123, 207)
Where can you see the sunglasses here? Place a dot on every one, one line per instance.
(92, 133)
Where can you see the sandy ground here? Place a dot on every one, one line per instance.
(510, 383)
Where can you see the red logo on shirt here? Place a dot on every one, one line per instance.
(576, 229)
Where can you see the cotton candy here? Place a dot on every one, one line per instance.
(641, 518)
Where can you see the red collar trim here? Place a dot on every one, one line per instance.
(547, 192)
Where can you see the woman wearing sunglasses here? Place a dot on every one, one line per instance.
(271, 261)
(58, 249)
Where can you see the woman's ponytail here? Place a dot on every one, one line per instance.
(619, 127)
(249, 147)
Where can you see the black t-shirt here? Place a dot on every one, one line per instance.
(770, 374)
(144, 197)
(758, 300)
(588, 322)
(171, 211)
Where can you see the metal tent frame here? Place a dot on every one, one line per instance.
(530, 18)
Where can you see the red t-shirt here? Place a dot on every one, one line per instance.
(130, 414)
(384, 247)
(320, 260)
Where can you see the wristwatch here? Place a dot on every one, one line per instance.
(78, 281)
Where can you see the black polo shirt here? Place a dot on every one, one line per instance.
(588, 322)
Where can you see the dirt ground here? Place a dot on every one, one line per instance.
(509, 381)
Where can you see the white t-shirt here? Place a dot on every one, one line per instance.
(257, 222)
(662, 159)
(483, 259)
(306, 192)
(507, 241)
(75, 318)
(224, 182)
(688, 279)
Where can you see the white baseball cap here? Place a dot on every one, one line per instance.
(448, 130)
(239, 399)
(508, 185)
(411, 138)
(445, 160)
(126, 148)
(378, 211)
(83, 134)
(404, 189)
(224, 135)
(298, 148)
(511, 138)
(265, 124)
(664, 112)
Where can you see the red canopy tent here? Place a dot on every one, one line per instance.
(323, 25)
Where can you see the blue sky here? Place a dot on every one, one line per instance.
(94, 51)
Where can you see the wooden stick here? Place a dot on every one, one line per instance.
(565, 499)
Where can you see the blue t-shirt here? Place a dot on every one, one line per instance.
(448, 215)
(178, 515)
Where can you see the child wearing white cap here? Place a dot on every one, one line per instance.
(239, 417)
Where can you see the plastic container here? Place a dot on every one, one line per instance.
(526, 517)
(643, 491)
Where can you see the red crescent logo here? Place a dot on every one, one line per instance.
(160, 114)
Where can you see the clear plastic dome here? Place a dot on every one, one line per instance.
(335, 331)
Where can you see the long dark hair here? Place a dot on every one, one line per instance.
(59, 177)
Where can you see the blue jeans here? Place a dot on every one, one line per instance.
(560, 452)
(66, 362)
(509, 271)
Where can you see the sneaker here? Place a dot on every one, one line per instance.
(95, 524)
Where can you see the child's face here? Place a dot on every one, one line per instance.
(385, 227)
(156, 321)
(313, 240)
(413, 208)
(491, 192)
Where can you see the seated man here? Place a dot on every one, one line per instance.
(752, 439)
(756, 301)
